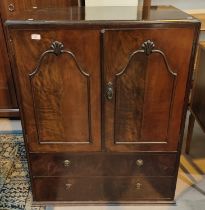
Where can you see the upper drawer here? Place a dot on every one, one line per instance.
(102, 165)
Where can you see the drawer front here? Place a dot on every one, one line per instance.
(102, 165)
(103, 189)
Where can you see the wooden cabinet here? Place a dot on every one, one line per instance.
(8, 103)
(10, 8)
(197, 105)
(103, 103)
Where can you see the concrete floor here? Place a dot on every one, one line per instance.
(9, 125)
(190, 191)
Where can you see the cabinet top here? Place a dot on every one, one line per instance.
(99, 16)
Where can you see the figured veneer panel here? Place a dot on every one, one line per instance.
(60, 89)
(149, 84)
(61, 95)
(157, 107)
(130, 88)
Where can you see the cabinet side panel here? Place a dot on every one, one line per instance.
(198, 99)
(7, 93)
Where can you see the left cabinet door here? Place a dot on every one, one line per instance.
(58, 77)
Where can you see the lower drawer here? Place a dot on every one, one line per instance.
(103, 164)
(112, 189)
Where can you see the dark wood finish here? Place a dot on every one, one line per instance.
(8, 103)
(146, 92)
(11, 8)
(83, 16)
(147, 3)
(103, 189)
(103, 165)
(9, 113)
(63, 102)
(197, 105)
(8, 9)
(146, 9)
(132, 76)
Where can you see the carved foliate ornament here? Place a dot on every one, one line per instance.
(57, 47)
(148, 46)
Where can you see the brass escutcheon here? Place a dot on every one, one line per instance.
(139, 163)
(11, 7)
(138, 186)
(68, 186)
(67, 163)
(109, 91)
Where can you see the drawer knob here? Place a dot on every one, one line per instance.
(11, 7)
(67, 186)
(67, 163)
(138, 186)
(139, 163)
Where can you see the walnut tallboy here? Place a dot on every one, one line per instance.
(103, 96)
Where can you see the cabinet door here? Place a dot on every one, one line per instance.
(59, 83)
(145, 76)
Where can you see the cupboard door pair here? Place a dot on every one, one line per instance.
(145, 75)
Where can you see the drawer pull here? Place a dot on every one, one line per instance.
(109, 91)
(67, 186)
(67, 163)
(139, 163)
(138, 186)
(11, 7)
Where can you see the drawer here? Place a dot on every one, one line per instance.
(103, 164)
(103, 189)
